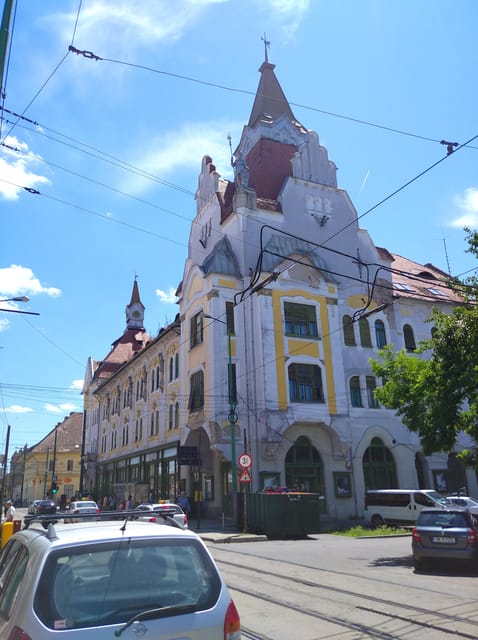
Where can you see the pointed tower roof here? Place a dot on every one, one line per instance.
(135, 310)
(270, 102)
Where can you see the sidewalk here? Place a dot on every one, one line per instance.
(218, 531)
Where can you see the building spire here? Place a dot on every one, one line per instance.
(135, 309)
(270, 102)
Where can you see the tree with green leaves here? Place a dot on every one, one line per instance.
(435, 390)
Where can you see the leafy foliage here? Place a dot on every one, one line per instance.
(435, 390)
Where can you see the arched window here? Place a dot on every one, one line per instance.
(380, 337)
(176, 415)
(348, 329)
(176, 365)
(355, 393)
(364, 330)
(409, 338)
(171, 369)
(379, 467)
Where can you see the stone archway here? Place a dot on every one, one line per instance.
(304, 469)
(378, 465)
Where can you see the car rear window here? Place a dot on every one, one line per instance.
(442, 519)
(104, 583)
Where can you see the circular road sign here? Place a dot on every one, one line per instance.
(245, 461)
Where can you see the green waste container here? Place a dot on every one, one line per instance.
(282, 515)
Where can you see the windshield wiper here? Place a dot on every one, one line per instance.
(185, 608)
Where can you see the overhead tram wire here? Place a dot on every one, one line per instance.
(94, 213)
(91, 55)
(108, 158)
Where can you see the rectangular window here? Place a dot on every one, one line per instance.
(300, 320)
(355, 393)
(69, 465)
(230, 318)
(371, 384)
(196, 391)
(196, 331)
(305, 383)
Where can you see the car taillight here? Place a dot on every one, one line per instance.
(185, 520)
(415, 535)
(472, 537)
(18, 634)
(232, 623)
(98, 510)
(76, 511)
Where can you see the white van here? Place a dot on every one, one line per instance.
(399, 506)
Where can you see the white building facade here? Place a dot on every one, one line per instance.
(283, 301)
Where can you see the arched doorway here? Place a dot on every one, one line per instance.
(304, 469)
(379, 467)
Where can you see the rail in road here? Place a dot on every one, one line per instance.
(277, 598)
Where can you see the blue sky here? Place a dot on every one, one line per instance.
(114, 146)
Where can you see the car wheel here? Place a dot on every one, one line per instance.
(377, 521)
(419, 565)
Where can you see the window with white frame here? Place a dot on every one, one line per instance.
(305, 383)
(196, 391)
(300, 320)
(196, 330)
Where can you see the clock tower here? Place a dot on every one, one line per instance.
(135, 310)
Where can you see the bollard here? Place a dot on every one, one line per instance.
(7, 531)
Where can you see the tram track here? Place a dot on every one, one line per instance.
(385, 611)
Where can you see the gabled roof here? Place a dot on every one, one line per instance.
(122, 350)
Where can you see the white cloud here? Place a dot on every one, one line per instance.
(467, 203)
(140, 23)
(60, 408)
(15, 408)
(167, 296)
(289, 13)
(17, 280)
(77, 385)
(15, 169)
(183, 150)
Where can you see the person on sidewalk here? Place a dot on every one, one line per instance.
(9, 511)
(183, 502)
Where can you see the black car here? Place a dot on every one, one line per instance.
(445, 534)
(45, 507)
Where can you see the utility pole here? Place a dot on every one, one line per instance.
(2, 497)
(4, 37)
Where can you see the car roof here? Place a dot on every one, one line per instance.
(84, 532)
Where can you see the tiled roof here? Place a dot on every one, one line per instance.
(426, 282)
(69, 435)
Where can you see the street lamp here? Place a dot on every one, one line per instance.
(232, 401)
(19, 299)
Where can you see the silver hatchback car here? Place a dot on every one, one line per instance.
(111, 579)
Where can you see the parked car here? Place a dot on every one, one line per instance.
(399, 506)
(445, 534)
(45, 507)
(83, 507)
(32, 507)
(168, 508)
(464, 501)
(99, 579)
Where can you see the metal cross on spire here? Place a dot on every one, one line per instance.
(267, 44)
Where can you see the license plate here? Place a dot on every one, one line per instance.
(443, 539)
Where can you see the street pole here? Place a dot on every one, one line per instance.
(46, 472)
(5, 458)
(232, 413)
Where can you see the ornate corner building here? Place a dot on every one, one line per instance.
(283, 301)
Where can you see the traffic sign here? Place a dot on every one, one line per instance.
(245, 477)
(245, 461)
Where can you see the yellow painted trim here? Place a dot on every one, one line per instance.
(328, 361)
(303, 348)
(279, 351)
(227, 284)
